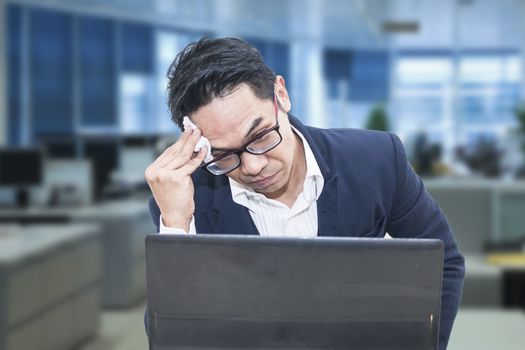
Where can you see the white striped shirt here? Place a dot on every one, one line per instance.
(271, 217)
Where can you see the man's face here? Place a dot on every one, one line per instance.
(228, 122)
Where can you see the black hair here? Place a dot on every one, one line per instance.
(211, 68)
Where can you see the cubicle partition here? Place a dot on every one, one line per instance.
(123, 225)
(482, 211)
(50, 285)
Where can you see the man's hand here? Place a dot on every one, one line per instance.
(169, 178)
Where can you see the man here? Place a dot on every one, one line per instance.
(272, 175)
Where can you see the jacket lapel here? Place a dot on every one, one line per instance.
(327, 209)
(226, 216)
(327, 202)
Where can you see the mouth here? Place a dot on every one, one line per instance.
(263, 182)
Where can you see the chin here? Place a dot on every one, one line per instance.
(274, 190)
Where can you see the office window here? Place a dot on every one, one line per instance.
(136, 78)
(14, 63)
(276, 55)
(456, 101)
(336, 69)
(489, 91)
(97, 72)
(369, 85)
(369, 76)
(422, 96)
(357, 81)
(169, 44)
(50, 62)
(137, 45)
(135, 103)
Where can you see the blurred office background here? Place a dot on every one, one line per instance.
(83, 112)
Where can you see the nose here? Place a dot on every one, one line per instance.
(251, 164)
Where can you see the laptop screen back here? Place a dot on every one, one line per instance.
(245, 292)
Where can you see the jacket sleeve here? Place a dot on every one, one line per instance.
(415, 214)
(155, 217)
(155, 213)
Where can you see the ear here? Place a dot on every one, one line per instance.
(282, 94)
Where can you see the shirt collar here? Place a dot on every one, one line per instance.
(313, 182)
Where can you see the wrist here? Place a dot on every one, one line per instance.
(176, 221)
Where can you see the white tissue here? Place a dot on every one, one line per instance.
(202, 141)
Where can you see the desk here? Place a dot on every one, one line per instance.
(480, 210)
(513, 266)
(483, 285)
(49, 285)
(124, 225)
(488, 329)
(493, 285)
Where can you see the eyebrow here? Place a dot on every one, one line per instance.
(255, 125)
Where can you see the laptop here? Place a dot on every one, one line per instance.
(251, 292)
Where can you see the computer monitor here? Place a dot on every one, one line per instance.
(104, 155)
(21, 168)
(60, 147)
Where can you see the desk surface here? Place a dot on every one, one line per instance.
(478, 265)
(116, 208)
(488, 329)
(20, 243)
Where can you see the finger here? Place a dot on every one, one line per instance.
(184, 137)
(168, 156)
(195, 162)
(169, 153)
(188, 149)
(185, 155)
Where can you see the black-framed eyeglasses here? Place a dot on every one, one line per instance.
(259, 144)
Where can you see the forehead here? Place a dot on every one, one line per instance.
(226, 120)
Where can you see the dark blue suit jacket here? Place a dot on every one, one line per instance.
(370, 188)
